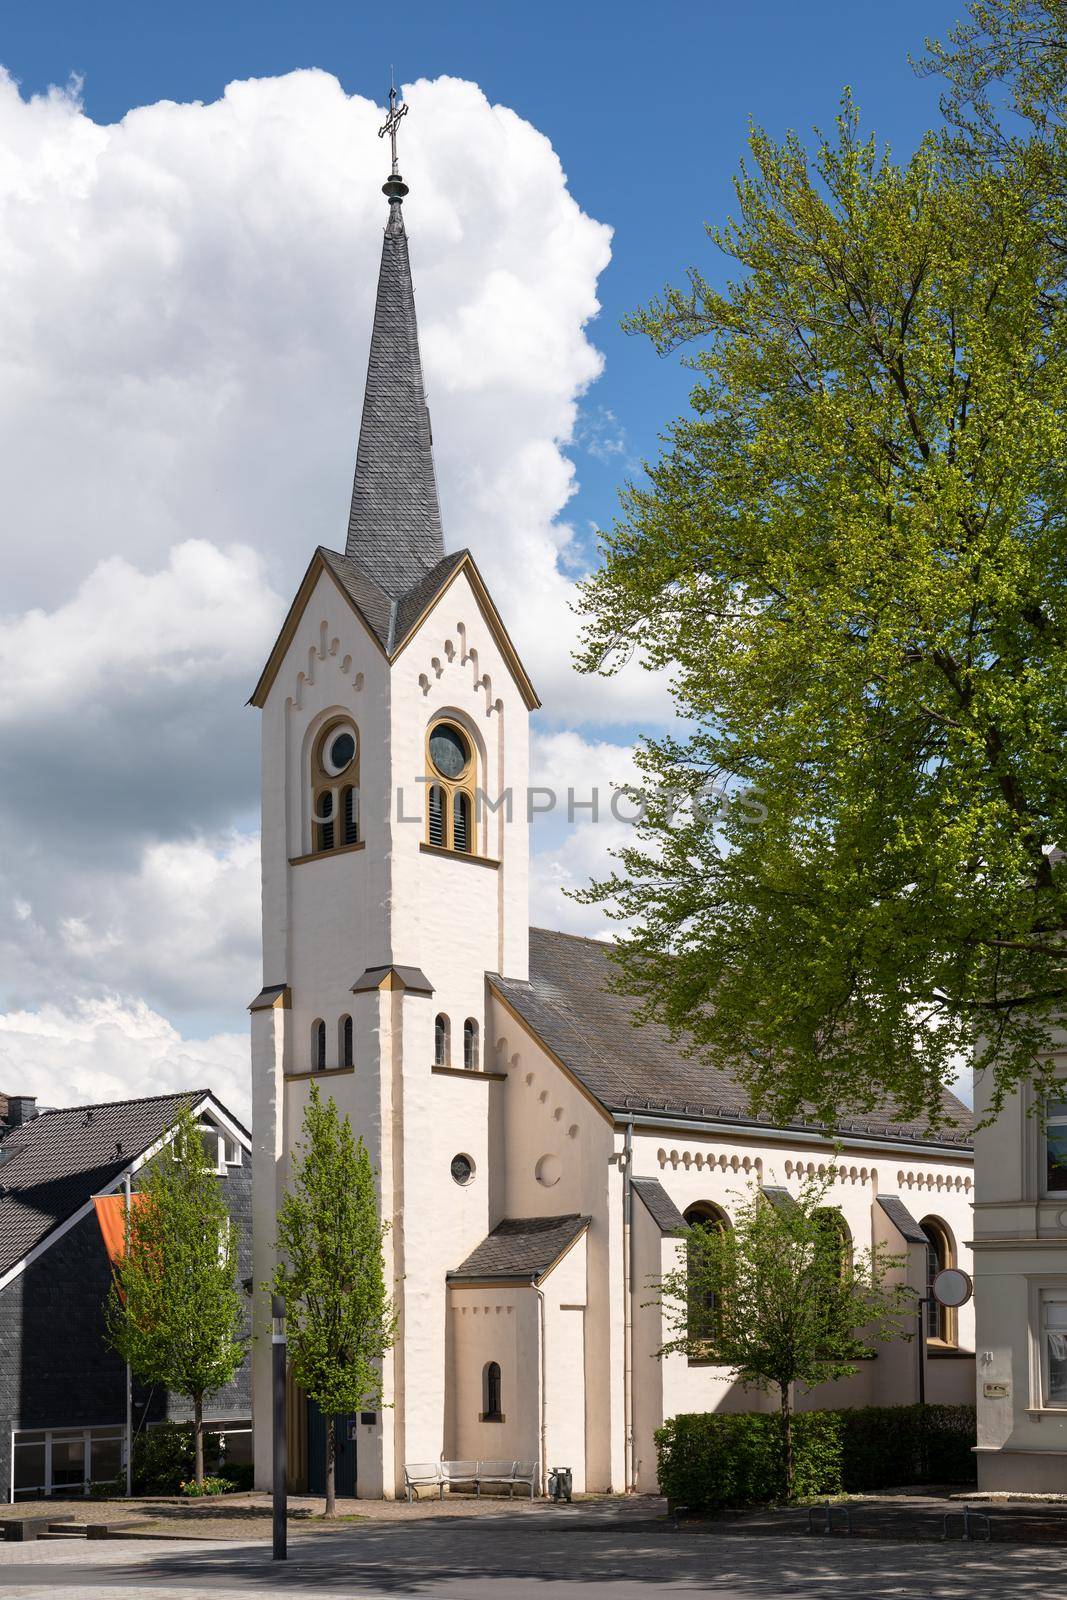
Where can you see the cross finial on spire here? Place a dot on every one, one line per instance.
(392, 123)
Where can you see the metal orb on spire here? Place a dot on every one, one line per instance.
(394, 187)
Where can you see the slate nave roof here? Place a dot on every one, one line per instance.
(630, 1069)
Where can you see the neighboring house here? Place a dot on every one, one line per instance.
(536, 1152)
(1020, 1266)
(62, 1387)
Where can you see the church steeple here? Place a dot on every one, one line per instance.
(394, 527)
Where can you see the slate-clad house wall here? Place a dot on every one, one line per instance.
(57, 1372)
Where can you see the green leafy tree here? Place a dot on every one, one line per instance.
(340, 1320)
(1006, 72)
(851, 559)
(174, 1311)
(780, 1300)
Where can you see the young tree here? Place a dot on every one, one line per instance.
(174, 1311)
(852, 558)
(779, 1299)
(339, 1316)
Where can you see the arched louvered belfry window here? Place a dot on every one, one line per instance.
(470, 1045)
(318, 1045)
(345, 1041)
(452, 768)
(436, 831)
(335, 787)
(349, 814)
(491, 1393)
(440, 1040)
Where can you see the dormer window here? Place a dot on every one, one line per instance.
(335, 788)
(450, 811)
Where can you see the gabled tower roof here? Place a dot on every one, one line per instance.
(394, 528)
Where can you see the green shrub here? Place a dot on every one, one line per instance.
(238, 1474)
(735, 1459)
(164, 1457)
(210, 1485)
(889, 1447)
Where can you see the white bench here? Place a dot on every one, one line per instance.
(442, 1475)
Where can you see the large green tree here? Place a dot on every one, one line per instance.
(174, 1311)
(851, 557)
(779, 1298)
(339, 1315)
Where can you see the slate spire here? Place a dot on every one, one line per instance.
(394, 528)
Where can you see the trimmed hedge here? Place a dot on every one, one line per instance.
(736, 1458)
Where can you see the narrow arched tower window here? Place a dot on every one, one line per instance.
(440, 1040)
(318, 1045)
(345, 1052)
(491, 1393)
(470, 1045)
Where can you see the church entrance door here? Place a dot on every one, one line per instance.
(344, 1432)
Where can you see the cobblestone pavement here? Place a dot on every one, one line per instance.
(518, 1558)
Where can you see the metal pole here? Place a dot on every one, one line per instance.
(277, 1339)
(923, 1303)
(129, 1375)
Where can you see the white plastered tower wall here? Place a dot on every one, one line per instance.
(1020, 1261)
(328, 918)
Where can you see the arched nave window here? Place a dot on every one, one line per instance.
(704, 1220)
(335, 787)
(940, 1253)
(440, 1040)
(450, 810)
(344, 1042)
(318, 1045)
(470, 1045)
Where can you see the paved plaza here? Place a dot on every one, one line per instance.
(570, 1555)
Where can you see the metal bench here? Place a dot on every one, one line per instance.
(442, 1475)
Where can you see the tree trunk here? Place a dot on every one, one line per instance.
(787, 1442)
(331, 1462)
(198, 1437)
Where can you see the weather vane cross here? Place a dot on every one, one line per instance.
(392, 123)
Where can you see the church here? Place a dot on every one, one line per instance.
(538, 1155)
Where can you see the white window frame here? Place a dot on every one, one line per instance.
(105, 1432)
(1042, 1129)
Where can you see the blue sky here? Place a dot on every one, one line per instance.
(646, 106)
(187, 300)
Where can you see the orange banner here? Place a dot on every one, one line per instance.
(111, 1215)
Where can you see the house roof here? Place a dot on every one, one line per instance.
(394, 525)
(661, 1207)
(51, 1166)
(521, 1247)
(590, 1029)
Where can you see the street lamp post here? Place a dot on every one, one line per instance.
(277, 1339)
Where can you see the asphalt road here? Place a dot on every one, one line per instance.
(518, 1560)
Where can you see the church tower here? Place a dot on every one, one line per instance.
(394, 878)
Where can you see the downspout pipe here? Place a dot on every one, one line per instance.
(543, 1375)
(628, 1309)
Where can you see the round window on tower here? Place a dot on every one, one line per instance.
(339, 750)
(450, 750)
(462, 1169)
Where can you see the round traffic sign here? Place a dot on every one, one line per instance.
(952, 1287)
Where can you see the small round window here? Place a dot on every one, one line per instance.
(339, 751)
(450, 750)
(462, 1169)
